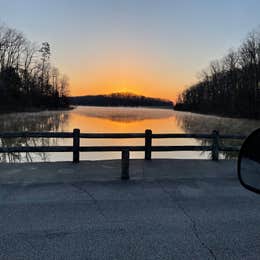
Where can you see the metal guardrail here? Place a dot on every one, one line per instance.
(148, 148)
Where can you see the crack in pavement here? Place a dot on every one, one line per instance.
(192, 221)
(95, 201)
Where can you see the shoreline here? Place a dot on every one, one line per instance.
(71, 107)
(217, 115)
(152, 107)
(36, 110)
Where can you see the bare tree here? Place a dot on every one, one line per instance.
(25, 73)
(230, 85)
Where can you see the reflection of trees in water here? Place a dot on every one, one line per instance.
(31, 122)
(125, 114)
(196, 123)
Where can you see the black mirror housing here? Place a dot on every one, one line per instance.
(249, 162)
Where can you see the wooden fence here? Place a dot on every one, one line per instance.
(215, 148)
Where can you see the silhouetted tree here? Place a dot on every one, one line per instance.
(120, 99)
(230, 86)
(25, 74)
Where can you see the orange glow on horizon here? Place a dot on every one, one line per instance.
(134, 73)
(106, 85)
(105, 91)
(77, 89)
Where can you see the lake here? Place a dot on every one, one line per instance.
(117, 120)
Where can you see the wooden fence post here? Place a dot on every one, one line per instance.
(215, 145)
(76, 144)
(125, 165)
(148, 144)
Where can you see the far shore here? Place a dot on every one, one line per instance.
(152, 107)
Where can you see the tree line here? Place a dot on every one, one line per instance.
(120, 99)
(230, 86)
(27, 78)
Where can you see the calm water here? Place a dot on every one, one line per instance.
(123, 120)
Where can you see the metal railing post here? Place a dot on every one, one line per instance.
(125, 165)
(148, 144)
(215, 145)
(76, 144)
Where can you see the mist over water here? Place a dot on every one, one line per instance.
(116, 120)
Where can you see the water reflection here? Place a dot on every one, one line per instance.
(31, 122)
(197, 123)
(117, 120)
(124, 114)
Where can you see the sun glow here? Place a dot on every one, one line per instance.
(146, 84)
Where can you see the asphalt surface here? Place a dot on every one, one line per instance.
(170, 209)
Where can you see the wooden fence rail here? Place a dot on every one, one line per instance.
(148, 148)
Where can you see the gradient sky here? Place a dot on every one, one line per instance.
(151, 47)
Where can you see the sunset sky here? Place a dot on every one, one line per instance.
(150, 47)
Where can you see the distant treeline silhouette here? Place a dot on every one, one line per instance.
(27, 79)
(120, 99)
(230, 86)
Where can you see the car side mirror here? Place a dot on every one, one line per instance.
(249, 162)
